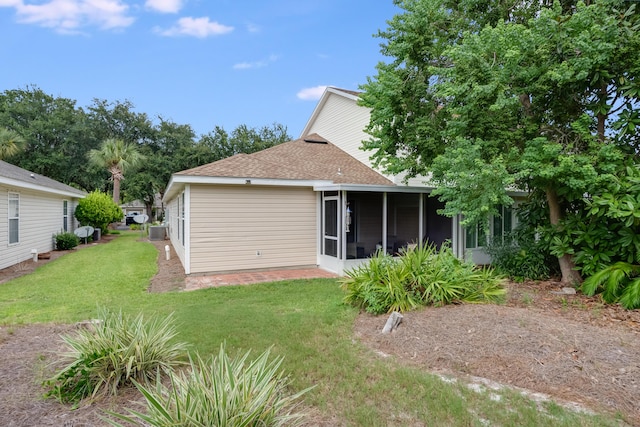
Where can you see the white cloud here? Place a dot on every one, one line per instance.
(196, 27)
(256, 64)
(311, 93)
(164, 6)
(69, 15)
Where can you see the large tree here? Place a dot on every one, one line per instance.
(490, 95)
(117, 156)
(56, 135)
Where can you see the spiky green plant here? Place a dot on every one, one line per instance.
(114, 351)
(422, 275)
(221, 392)
(619, 282)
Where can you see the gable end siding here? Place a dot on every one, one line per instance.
(342, 122)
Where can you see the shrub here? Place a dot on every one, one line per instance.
(98, 210)
(112, 353)
(220, 392)
(619, 282)
(420, 276)
(521, 260)
(66, 241)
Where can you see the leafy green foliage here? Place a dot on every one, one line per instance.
(607, 239)
(619, 282)
(221, 392)
(98, 210)
(11, 143)
(66, 241)
(536, 96)
(116, 156)
(419, 276)
(113, 352)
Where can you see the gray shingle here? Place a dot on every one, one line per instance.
(9, 171)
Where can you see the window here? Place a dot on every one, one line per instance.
(182, 219)
(178, 220)
(65, 215)
(475, 237)
(14, 218)
(503, 223)
(500, 226)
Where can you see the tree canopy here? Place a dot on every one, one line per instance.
(489, 95)
(52, 136)
(117, 156)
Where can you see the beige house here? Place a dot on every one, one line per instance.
(315, 201)
(33, 209)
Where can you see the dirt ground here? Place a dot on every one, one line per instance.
(570, 347)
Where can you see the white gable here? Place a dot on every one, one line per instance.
(339, 119)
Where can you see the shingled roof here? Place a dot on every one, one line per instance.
(309, 158)
(15, 175)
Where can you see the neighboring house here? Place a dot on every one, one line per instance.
(315, 201)
(33, 208)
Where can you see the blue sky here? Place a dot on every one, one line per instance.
(203, 63)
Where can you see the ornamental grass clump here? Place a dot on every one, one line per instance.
(112, 353)
(221, 392)
(420, 276)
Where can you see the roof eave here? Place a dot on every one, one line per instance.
(323, 100)
(37, 187)
(177, 182)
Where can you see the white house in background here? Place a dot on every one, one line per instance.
(315, 201)
(33, 208)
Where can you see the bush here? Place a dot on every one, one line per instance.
(220, 392)
(420, 276)
(619, 282)
(523, 260)
(98, 210)
(66, 241)
(112, 353)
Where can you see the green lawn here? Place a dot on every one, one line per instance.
(304, 320)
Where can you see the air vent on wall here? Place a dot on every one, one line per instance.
(315, 141)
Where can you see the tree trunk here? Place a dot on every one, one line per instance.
(116, 190)
(149, 208)
(567, 267)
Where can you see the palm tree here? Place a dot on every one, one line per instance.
(117, 156)
(11, 143)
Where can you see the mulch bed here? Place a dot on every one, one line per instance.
(570, 347)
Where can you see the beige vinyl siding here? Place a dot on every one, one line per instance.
(341, 121)
(40, 219)
(230, 225)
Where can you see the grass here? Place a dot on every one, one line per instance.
(305, 321)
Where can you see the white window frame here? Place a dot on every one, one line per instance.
(181, 216)
(13, 197)
(479, 234)
(65, 215)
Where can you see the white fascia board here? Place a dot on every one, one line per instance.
(372, 188)
(323, 100)
(177, 182)
(21, 184)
